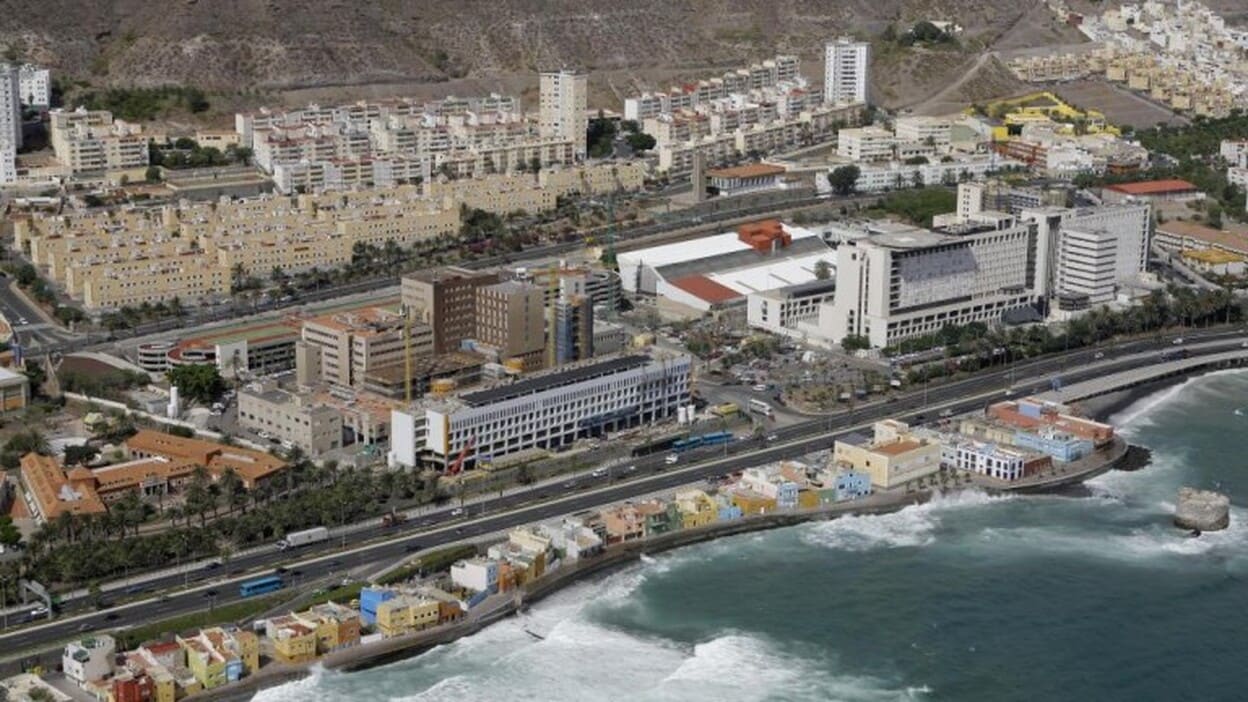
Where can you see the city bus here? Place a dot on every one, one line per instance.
(760, 407)
(260, 586)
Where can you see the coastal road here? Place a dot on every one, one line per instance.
(36, 332)
(651, 474)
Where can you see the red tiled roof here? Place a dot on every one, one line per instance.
(1153, 187)
(706, 289)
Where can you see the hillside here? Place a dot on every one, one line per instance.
(239, 47)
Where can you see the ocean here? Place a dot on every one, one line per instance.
(969, 597)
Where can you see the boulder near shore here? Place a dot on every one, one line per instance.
(1202, 510)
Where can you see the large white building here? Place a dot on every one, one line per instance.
(1090, 252)
(903, 282)
(10, 122)
(847, 70)
(866, 144)
(545, 411)
(563, 100)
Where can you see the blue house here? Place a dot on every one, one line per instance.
(852, 485)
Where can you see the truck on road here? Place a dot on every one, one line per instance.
(393, 518)
(307, 537)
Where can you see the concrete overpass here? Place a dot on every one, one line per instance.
(1143, 375)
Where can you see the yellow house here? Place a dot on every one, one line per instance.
(164, 687)
(696, 508)
(293, 640)
(893, 457)
(751, 502)
(406, 614)
(807, 498)
(206, 664)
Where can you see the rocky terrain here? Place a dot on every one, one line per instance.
(245, 47)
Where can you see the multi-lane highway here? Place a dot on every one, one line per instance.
(378, 545)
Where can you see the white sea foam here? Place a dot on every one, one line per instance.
(1139, 414)
(299, 690)
(911, 526)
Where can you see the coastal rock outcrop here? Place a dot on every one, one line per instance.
(1202, 510)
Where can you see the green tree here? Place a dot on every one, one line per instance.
(600, 137)
(640, 142)
(844, 179)
(823, 270)
(200, 382)
(152, 174)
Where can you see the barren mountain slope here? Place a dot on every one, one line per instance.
(228, 45)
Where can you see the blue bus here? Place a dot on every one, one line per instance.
(260, 586)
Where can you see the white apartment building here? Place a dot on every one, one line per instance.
(894, 175)
(562, 105)
(90, 659)
(545, 411)
(10, 122)
(865, 144)
(476, 574)
(36, 86)
(904, 282)
(920, 129)
(847, 69)
(1091, 251)
(991, 460)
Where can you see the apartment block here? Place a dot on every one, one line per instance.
(847, 71)
(866, 144)
(91, 140)
(10, 122)
(562, 103)
(193, 250)
(35, 86)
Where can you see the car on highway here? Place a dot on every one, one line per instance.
(457, 512)
(599, 473)
(411, 548)
(1098, 355)
(1177, 341)
(39, 611)
(570, 485)
(212, 565)
(773, 437)
(671, 458)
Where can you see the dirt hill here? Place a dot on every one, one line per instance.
(241, 46)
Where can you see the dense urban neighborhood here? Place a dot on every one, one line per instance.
(337, 382)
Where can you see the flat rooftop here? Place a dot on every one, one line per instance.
(549, 381)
